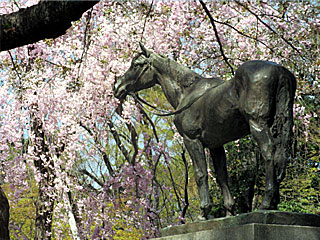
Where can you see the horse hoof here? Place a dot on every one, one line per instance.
(203, 218)
(267, 207)
(229, 214)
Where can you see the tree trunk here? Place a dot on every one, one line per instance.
(47, 19)
(44, 211)
(45, 202)
(71, 218)
(4, 216)
(45, 166)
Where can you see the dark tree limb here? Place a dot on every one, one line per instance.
(86, 41)
(118, 141)
(217, 35)
(4, 216)
(270, 28)
(245, 35)
(134, 141)
(151, 123)
(186, 197)
(48, 19)
(145, 20)
(133, 136)
(84, 171)
(102, 151)
(177, 194)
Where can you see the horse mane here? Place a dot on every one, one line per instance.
(185, 77)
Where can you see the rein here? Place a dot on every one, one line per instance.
(140, 100)
(166, 113)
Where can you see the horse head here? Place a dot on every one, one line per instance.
(139, 76)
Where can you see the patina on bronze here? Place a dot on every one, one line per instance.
(257, 100)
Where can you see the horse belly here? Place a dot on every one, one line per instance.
(216, 133)
(222, 120)
(214, 124)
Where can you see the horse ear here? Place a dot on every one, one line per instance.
(144, 50)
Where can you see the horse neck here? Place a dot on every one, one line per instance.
(173, 78)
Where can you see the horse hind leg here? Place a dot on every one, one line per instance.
(218, 157)
(274, 139)
(262, 134)
(282, 125)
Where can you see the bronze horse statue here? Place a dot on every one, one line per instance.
(211, 112)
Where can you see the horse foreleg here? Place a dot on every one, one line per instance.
(196, 152)
(262, 135)
(219, 160)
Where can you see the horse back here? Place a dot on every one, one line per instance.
(256, 84)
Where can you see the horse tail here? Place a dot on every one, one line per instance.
(283, 121)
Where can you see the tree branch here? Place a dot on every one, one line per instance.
(151, 123)
(47, 19)
(178, 196)
(98, 144)
(217, 35)
(134, 141)
(186, 197)
(118, 141)
(245, 35)
(270, 28)
(145, 20)
(84, 171)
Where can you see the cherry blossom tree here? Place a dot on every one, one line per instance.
(110, 169)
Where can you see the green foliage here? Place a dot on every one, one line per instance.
(300, 190)
(22, 212)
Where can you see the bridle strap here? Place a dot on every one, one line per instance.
(140, 100)
(148, 65)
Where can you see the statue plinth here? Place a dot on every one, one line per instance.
(260, 225)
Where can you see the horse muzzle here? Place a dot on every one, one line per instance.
(120, 91)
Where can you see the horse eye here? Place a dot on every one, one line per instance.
(137, 64)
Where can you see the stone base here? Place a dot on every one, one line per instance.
(260, 225)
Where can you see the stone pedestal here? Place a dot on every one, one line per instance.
(260, 225)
